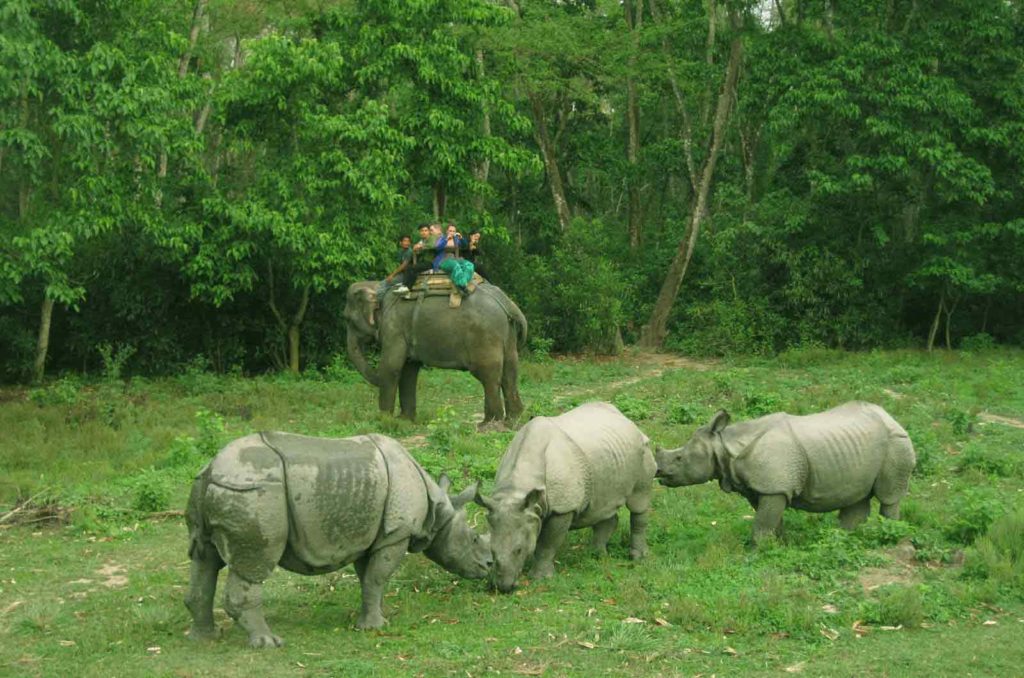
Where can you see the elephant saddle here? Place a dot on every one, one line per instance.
(430, 284)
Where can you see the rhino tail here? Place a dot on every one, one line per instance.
(198, 528)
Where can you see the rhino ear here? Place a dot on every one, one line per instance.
(482, 500)
(533, 500)
(464, 497)
(444, 482)
(720, 421)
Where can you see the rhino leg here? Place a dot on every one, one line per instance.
(853, 515)
(243, 601)
(552, 534)
(201, 589)
(374, 570)
(890, 511)
(602, 533)
(637, 535)
(768, 518)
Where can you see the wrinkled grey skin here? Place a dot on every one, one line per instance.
(312, 506)
(565, 473)
(482, 336)
(832, 460)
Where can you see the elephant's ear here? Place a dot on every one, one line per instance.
(719, 421)
(464, 497)
(370, 301)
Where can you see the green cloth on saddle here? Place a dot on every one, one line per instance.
(459, 270)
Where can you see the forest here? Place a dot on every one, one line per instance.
(192, 184)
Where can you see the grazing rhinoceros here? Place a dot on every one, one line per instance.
(313, 505)
(564, 473)
(836, 459)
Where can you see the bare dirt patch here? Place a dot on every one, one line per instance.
(902, 569)
(115, 577)
(997, 419)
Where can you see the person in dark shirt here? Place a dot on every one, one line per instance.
(471, 252)
(422, 255)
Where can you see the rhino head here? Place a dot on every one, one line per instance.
(456, 546)
(515, 526)
(694, 462)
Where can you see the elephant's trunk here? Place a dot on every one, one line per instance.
(358, 358)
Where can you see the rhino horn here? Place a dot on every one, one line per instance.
(464, 497)
(720, 421)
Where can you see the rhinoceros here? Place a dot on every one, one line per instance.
(837, 459)
(564, 473)
(313, 505)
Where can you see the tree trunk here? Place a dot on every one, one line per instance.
(482, 170)
(540, 130)
(653, 333)
(193, 37)
(935, 323)
(289, 327)
(43, 343)
(634, 20)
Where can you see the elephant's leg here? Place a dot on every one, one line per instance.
(768, 518)
(602, 533)
(202, 587)
(374, 570)
(407, 389)
(389, 370)
(490, 377)
(510, 385)
(243, 600)
(552, 534)
(853, 515)
(637, 535)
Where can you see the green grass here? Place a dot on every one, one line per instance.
(816, 602)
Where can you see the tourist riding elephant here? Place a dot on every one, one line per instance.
(482, 335)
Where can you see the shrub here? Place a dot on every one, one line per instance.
(150, 491)
(897, 606)
(999, 554)
(978, 342)
(114, 358)
(685, 413)
(65, 391)
(973, 512)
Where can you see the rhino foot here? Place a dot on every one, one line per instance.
(200, 634)
(265, 640)
(542, 571)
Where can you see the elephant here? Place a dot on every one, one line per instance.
(483, 335)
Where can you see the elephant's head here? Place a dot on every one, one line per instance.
(457, 547)
(694, 462)
(515, 526)
(362, 321)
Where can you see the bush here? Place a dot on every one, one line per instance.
(150, 491)
(999, 554)
(632, 407)
(897, 606)
(978, 342)
(973, 512)
(65, 391)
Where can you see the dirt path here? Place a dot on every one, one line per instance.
(997, 419)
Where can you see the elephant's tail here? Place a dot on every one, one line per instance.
(511, 310)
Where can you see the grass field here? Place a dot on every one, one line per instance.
(940, 593)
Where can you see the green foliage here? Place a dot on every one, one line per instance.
(896, 606)
(113, 359)
(633, 407)
(973, 510)
(64, 391)
(998, 555)
(150, 490)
